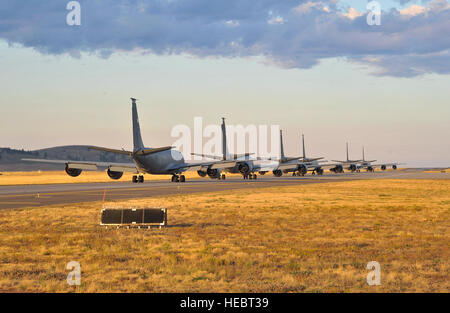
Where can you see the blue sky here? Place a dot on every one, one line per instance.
(313, 70)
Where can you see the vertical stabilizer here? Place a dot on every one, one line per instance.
(224, 140)
(364, 158)
(347, 151)
(281, 145)
(137, 139)
(303, 144)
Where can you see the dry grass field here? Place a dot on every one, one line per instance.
(306, 238)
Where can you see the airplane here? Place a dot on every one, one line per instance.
(352, 165)
(159, 161)
(371, 167)
(246, 167)
(367, 164)
(297, 165)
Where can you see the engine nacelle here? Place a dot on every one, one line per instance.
(114, 175)
(213, 173)
(277, 173)
(383, 167)
(394, 167)
(245, 168)
(302, 169)
(352, 167)
(74, 172)
(319, 170)
(201, 173)
(370, 169)
(337, 169)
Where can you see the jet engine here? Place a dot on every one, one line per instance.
(114, 175)
(370, 169)
(201, 173)
(277, 173)
(337, 169)
(74, 172)
(394, 167)
(352, 167)
(383, 167)
(302, 169)
(213, 173)
(245, 168)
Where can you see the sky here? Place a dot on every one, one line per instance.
(309, 66)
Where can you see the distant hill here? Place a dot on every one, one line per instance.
(11, 159)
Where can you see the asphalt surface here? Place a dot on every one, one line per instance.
(19, 196)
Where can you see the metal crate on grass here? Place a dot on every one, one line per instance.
(134, 217)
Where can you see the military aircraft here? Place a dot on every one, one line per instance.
(352, 165)
(233, 163)
(297, 165)
(160, 161)
(371, 167)
(366, 163)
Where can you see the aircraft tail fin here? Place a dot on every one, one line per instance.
(364, 158)
(347, 150)
(303, 144)
(281, 145)
(137, 138)
(224, 140)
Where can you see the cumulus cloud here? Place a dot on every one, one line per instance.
(289, 33)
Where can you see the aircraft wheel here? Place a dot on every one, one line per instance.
(174, 178)
(223, 177)
(182, 178)
(254, 176)
(140, 179)
(134, 179)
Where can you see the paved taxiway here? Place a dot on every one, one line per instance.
(18, 196)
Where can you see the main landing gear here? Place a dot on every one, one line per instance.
(178, 178)
(138, 179)
(249, 176)
(222, 177)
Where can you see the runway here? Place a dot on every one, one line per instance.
(19, 196)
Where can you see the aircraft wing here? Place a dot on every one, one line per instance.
(312, 159)
(329, 165)
(203, 166)
(347, 162)
(216, 157)
(90, 165)
(385, 164)
(287, 166)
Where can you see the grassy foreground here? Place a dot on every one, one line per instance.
(306, 238)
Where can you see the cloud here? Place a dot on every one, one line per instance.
(289, 33)
(413, 10)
